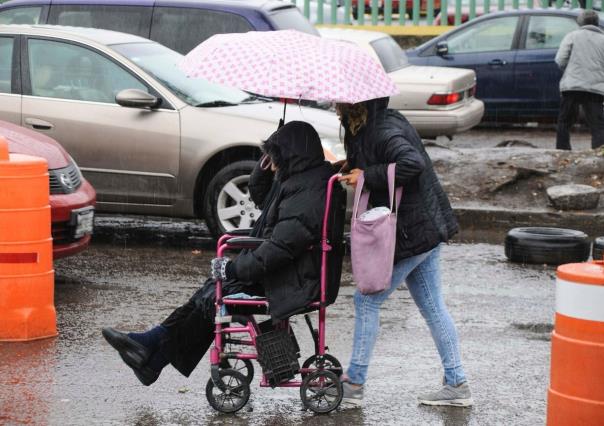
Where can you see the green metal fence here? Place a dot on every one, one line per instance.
(420, 12)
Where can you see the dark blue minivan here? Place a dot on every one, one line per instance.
(512, 53)
(178, 24)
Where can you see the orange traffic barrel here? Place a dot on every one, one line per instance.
(26, 271)
(576, 392)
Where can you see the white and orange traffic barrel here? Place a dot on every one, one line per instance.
(576, 392)
(27, 308)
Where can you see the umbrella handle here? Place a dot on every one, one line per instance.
(282, 120)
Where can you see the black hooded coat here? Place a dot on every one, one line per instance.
(286, 267)
(425, 217)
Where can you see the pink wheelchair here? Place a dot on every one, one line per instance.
(240, 339)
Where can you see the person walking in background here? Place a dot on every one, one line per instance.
(581, 58)
(374, 138)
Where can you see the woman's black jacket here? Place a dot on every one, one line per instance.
(425, 216)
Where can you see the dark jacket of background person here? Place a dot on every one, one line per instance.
(425, 216)
(284, 268)
(581, 57)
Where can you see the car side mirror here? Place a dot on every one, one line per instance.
(135, 98)
(442, 48)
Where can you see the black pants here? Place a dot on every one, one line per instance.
(191, 326)
(569, 109)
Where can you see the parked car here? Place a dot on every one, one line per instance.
(437, 101)
(513, 55)
(149, 139)
(72, 198)
(178, 24)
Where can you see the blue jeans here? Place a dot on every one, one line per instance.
(422, 274)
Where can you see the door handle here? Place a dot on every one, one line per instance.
(38, 124)
(498, 63)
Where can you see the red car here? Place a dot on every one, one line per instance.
(72, 198)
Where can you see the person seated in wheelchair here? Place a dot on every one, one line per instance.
(285, 267)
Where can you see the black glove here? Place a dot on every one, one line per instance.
(221, 269)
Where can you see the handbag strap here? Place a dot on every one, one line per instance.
(395, 195)
(361, 199)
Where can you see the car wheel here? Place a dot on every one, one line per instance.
(228, 204)
(598, 250)
(553, 246)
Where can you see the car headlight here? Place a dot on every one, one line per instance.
(334, 149)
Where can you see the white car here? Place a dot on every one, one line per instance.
(438, 101)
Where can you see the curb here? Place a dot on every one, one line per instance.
(478, 225)
(491, 224)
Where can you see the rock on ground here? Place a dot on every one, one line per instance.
(574, 197)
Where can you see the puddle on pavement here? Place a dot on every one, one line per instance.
(538, 331)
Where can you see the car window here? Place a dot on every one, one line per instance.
(6, 61)
(127, 19)
(162, 64)
(291, 19)
(66, 71)
(182, 29)
(21, 15)
(546, 32)
(485, 36)
(390, 53)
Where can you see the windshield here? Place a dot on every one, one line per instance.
(162, 63)
(291, 19)
(390, 53)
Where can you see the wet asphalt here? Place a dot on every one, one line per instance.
(503, 312)
(140, 268)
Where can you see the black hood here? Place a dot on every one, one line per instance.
(295, 148)
(375, 108)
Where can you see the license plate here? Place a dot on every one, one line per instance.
(83, 221)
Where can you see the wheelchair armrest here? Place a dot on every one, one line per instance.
(245, 242)
(242, 232)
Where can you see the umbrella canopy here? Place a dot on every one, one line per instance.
(290, 64)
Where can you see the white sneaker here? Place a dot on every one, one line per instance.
(459, 396)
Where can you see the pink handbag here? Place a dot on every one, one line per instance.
(373, 238)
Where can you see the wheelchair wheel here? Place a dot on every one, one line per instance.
(243, 366)
(330, 363)
(321, 391)
(235, 395)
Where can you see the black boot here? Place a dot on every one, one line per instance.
(135, 355)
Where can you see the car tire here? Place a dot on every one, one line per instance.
(598, 250)
(227, 203)
(553, 246)
(355, 13)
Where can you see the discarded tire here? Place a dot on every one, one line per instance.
(553, 246)
(598, 250)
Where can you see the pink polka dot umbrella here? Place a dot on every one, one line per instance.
(290, 65)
